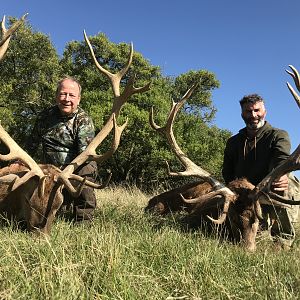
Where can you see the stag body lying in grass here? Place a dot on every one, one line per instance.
(238, 217)
(24, 204)
(242, 214)
(32, 192)
(172, 201)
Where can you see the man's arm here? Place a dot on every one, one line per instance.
(281, 148)
(85, 133)
(281, 151)
(228, 162)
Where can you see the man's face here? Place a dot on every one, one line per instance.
(254, 114)
(68, 97)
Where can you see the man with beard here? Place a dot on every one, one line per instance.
(252, 153)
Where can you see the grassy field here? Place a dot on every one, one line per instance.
(125, 254)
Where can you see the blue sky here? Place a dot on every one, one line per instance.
(247, 44)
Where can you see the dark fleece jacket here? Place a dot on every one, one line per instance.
(255, 157)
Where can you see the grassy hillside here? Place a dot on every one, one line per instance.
(125, 254)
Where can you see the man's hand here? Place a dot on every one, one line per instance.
(281, 184)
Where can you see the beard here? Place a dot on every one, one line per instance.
(254, 124)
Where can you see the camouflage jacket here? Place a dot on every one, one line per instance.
(62, 137)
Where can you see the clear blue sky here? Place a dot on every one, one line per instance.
(247, 44)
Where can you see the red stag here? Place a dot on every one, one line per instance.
(239, 202)
(34, 193)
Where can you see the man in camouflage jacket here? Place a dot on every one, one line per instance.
(253, 153)
(64, 131)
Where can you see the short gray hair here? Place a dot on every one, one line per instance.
(252, 98)
(68, 78)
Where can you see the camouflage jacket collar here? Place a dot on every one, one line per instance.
(65, 117)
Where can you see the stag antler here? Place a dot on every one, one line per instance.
(119, 101)
(293, 161)
(115, 79)
(191, 168)
(7, 33)
(89, 154)
(16, 152)
(296, 78)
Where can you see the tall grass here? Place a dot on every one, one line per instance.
(125, 254)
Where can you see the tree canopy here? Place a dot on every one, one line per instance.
(32, 67)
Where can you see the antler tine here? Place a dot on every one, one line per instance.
(296, 77)
(16, 152)
(176, 106)
(115, 79)
(213, 194)
(223, 215)
(276, 199)
(292, 163)
(128, 91)
(7, 33)
(116, 141)
(218, 194)
(89, 154)
(90, 183)
(191, 169)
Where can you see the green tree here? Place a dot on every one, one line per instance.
(141, 155)
(28, 77)
(28, 81)
(200, 102)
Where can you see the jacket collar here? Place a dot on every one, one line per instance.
(65, 117)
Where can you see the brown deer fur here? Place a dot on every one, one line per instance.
(241, 223)
(24, 203)
(170, 201)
